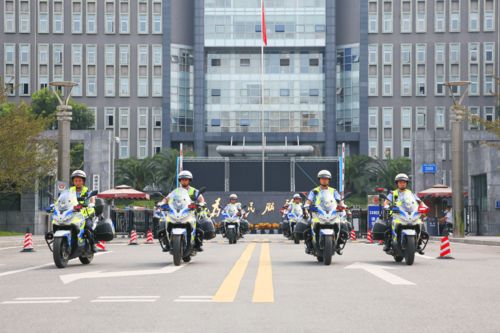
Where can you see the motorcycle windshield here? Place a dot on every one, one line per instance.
(66, 201)
(327, 201)
(231, 211)
(296, 211)
(408, 208)
(179, 200)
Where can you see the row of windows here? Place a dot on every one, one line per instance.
(148, 125)
(84, 61)
(447, 67)
(381, 127)
(84, 16)
(443, 10)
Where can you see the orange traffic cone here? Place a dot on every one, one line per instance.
(149, 240)
(445, 252)
(28, 242)
(101, 245)
(369, 237)
(353, 235)
(133, 238)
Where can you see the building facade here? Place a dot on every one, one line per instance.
(159, 73)
(414, 47)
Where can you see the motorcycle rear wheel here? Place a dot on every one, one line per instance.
(328, 250)
(410, 250)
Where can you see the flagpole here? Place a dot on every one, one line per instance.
(263, 26)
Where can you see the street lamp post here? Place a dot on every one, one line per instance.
(457, 153)
(63, 129)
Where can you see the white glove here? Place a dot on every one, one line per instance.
(91, 205)
(386, 207)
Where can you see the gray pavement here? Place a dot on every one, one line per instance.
(232, 288)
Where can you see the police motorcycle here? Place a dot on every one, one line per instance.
(231, 220)
(327, 228)
(405, 230)
(297, 224)
(179, 230)
(70, 238)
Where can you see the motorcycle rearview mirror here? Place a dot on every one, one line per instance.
(202, 190)
(347, 195)
(93, 193)
(383, 196)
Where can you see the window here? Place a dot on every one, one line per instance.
(406, 54)
(439, 16)
(245, 62)
(124, 17)
(489, 15)
(489, 52)
(387, 52)
(387, 24)
(421, 116)
(373, 16)
(284, 62)
(24, 50)
(109, 117)
(157, 16)
(279, 28)
(372, 86)
(314, 62)
(142, 20)
(58, 17)
(372, 54)
(454, 15)
(215, 62)
(439, 117)
(474, 112)
(91, 23)
(313, 92)
(473, 15)
(421, 24)
(9, 16)
(24, 16)
(489, 113)
(109, 17)
(284, 92)
(421, 50)
(76, 17)
(124, 86)
(43, 16)
(43, 54)
(124, 55)
(406, 16)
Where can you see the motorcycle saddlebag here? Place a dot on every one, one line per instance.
(208, 229)
(245, 226)
(379, 229)
(104, 230)
(299, 229)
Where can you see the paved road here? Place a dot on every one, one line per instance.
(262, 283)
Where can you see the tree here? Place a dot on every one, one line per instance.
(356, 174)
(44, 104)
(383, 172)
(25, 156)
(76, 156)
(134, 172)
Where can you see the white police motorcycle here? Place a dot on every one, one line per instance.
(179, 231)
(327, 228)
(69, 238)
(231, 220)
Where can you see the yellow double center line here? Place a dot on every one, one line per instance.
(263, 289)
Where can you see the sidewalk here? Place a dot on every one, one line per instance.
(476, 240)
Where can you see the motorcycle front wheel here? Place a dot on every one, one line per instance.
(328, 250)
(177, 249)
(410, 250)
(61, 252)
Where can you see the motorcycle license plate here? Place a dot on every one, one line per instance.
(231, 226)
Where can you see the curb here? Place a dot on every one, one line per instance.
(469, 241)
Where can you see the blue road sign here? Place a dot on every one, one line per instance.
(373, 214)
(429, 168)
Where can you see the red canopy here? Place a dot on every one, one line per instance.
(437, 191)
(123, 192)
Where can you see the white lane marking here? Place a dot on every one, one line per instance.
(40, 266)
(9, 248)
(45, 298)
(425, 257)
(126, 297)
(37, 302)
(380, 272)
(68, 278)
(194, 299)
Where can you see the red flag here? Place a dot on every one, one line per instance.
(263, 27)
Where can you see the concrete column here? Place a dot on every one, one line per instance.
(63, 136)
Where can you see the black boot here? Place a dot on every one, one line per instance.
(387, 245)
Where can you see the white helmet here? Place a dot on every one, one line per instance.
(297, 196)
(79, 173)
(233, 196)
(324, 174)
(401, 176)
(185, 175)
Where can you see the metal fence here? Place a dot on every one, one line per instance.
(139, 220)
(471, 220)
